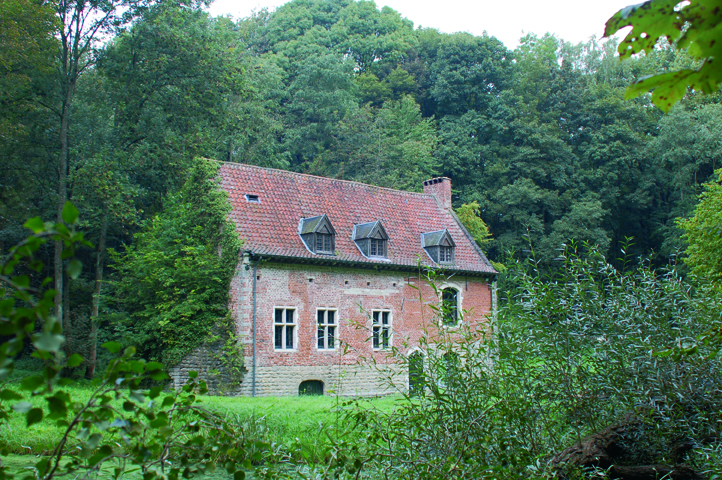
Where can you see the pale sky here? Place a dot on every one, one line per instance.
(573, 20)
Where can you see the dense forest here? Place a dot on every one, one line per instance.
(108, 106)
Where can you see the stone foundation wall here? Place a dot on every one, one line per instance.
(344, 380)
(204, 360)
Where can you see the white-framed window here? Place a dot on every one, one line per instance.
(284, 328)
(381, 329)
(326, 329)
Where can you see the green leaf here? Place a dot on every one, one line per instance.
(158, 375)
(694, 25)
(10, 395)
(35, 224)
(48, 342)
(57, 406)
(70, 213)
(103, 452)
(75, 266)
(112, 347)
(35, 415)
(155, 391)
(31, 383)
(239, 475)
(22, 407)
(192, 374)
(74, 360)
(94, 440)
(154, 366)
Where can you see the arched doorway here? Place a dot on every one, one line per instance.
(416, 374)
(450, 306)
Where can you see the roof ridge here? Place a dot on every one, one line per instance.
(324, 178)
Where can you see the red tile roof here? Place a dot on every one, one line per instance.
(270, 227)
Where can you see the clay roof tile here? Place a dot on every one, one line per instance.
(271, 225)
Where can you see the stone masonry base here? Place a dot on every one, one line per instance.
(345, 380)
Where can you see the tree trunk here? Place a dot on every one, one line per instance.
(93, 340)
(62, 197)
(611, 446)
(67, 327)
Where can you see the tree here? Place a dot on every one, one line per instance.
(83, 26)
(692, 25)
(468, 213)
(391, 147)
(173, 281)
(703, 232)
(27, 43)
(27, 31)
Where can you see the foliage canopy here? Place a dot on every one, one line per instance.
(703, 232)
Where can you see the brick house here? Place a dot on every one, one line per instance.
(330, 275)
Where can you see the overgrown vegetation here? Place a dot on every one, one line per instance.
(573, 352)
(163, 434)
(172, 282)
(703, 232)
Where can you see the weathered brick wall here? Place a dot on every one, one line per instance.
(354, 293)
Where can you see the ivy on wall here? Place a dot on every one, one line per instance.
(170, 294)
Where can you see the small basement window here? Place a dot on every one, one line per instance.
(311, 387)
(252, 198)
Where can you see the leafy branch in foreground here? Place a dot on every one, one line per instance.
(693, 25)
(164, 435)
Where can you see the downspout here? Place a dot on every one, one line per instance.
(253, 378)
(494, 301)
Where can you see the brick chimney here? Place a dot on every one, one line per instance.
(441, 188)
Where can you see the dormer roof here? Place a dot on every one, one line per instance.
(292, 203)
(317, 224)
(437, 238)
(370, 230)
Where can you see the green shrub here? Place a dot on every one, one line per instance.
(570, 353)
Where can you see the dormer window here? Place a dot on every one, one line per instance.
(439, 246)
(377, 247)
(324, 243)
(444, 254)
(371, 239)
(318, 235)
